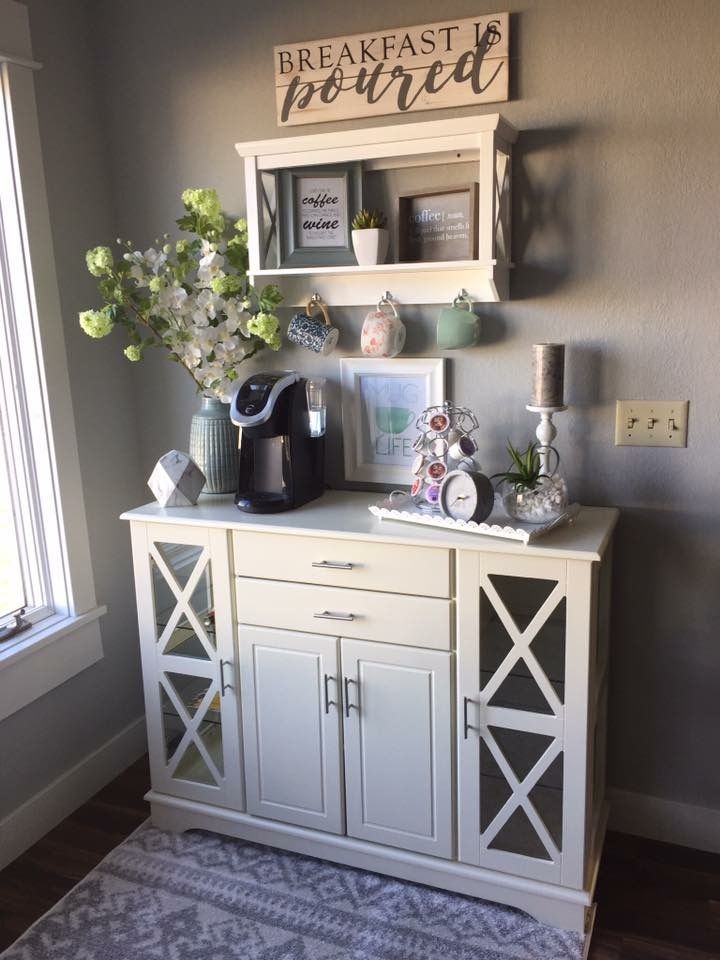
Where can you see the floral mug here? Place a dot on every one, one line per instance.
(383, 332)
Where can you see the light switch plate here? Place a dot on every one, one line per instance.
(651, 423)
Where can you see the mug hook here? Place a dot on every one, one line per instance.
(464, 299)
(386, 301)
(315, 303)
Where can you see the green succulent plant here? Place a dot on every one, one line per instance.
(525, 470)
(369, 220)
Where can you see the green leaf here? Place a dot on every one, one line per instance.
(270, 297)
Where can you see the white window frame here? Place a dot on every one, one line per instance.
(67, 640)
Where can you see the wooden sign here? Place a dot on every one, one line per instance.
(451, 64)
(438, 225)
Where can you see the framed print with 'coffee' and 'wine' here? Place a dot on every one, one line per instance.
(315, 209)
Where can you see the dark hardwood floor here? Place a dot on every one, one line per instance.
(655, 901)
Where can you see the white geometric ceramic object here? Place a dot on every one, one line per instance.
(176, 480)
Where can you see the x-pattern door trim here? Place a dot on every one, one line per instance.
(192, 726)
(502, 192)
(183, 597)
(272, 215)
(520, 795)
(522, 640)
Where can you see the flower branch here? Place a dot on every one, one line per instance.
(193, 297)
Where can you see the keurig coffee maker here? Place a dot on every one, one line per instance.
(282, 441)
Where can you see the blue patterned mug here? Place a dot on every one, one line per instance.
(313, 333)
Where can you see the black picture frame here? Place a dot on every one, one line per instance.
(416, 242)
(295, 248)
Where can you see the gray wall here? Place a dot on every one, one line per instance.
(615, 240)
(39, 743)
(616, 244)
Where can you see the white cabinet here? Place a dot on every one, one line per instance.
(182, 582)
(291, 725)
(417, 702)
(398, 746)
(395, 708)
(530, 683)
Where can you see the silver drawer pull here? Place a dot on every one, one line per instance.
(333, 564)
(328, 615)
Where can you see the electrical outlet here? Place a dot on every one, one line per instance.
(651, 423)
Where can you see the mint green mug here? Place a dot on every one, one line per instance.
(457, 326)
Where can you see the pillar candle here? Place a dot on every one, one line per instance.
(548, 374)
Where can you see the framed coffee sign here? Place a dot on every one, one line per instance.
(315, 209)
(438, 225)
(453, 63)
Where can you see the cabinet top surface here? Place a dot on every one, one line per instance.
(345, 516)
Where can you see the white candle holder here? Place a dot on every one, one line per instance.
(546, 432)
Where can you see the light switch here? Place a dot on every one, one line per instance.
(651, 423)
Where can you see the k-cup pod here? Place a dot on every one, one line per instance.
(439, 423)
(419, 442)
(418, 465)
(436, 470)
(432, 493)
(457, 326)
(463, 447)
(383, 332)
(416, 487)
(314, 332)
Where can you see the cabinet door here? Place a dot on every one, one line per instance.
(291, 727)
(523, 640)
(186, 636)
(398, 746)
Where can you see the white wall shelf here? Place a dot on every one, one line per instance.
(485, 141)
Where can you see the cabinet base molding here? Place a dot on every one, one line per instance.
(559, 906)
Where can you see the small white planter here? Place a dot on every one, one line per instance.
(370, 246)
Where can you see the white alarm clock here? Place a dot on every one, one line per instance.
(466, 495)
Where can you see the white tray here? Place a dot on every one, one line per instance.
(496, 525)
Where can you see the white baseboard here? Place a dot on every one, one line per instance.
(38, 815)
(667, 820)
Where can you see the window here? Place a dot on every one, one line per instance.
(46, 584)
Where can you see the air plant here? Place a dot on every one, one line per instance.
(525, 470)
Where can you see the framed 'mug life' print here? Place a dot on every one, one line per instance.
(381, 402)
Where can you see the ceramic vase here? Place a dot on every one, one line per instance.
(370, 246)
(214, 445)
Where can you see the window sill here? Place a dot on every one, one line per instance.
(47, 655)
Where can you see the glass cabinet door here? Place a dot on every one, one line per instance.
(513, 640)
(187, 632)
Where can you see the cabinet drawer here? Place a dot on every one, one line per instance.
(360, 614)
(361, 564)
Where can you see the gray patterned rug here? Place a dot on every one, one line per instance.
(200, 896)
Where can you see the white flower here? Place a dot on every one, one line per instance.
(155, 259)
(173, 298)
(227, 347)
(210, 265)
(232, 314)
